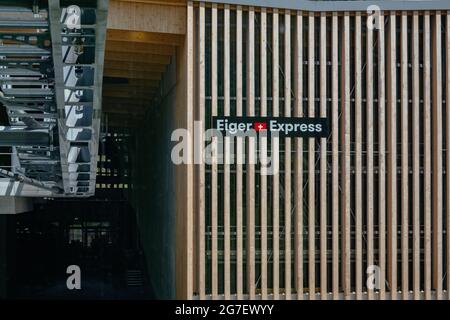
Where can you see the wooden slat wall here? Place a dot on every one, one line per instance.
(376, 193)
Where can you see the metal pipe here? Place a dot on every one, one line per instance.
(32, 182)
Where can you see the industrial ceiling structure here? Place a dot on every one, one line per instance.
(51, 73)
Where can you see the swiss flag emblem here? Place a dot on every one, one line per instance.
(258, 126)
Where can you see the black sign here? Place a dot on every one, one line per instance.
(277, 126)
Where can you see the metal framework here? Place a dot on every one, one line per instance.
(50, 83)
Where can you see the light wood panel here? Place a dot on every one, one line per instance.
(251, 149)
(404, 156)
(298, 112)
(275, 158)
(437, 191)
(311, 164)
(416, 194)
(335, 153)
(427, 153)
(227, 152)
(287, 156)
(144, 37)
(345, 167)
(239, 164)
(358, 155)
(201, 277)
(370, 186)
(392, 152)
(323, 159)
(214, 169)
(263, 153)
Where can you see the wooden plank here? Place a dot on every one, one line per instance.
(447, 165)
(404, 158)
(132, 74)
(416, 195)
(437, 155)
(263, 147)
(323, 159)
(239, 152)
(137, 57)
(145, 37)
(227, 152)
(370, 153)
(275, 143)
(311, 164)
(135, 94)
(392, 150)
(190, 167)
(335, 153)
(287, 155)
(126, 101)
(382, 158)
(201, 278)
(345, 168)
(358, 163)
(250, 192)
(146, 17)
(427, 152)
(214, 169)
(135, 66)
(139, 83)
(138, 47)
(298, 87)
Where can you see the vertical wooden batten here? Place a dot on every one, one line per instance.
(227, 157)
(335, 154)
(370, 158)
(239, 165)
(345, 163)
(201, 167)
(323, 158)
(437, 155)
(427, 153)
(358, 152)
(214, 169)
(392, 152)
(251, 149)
(404, 156)
(287, 155)
(416, 156)
(275, 158)
(381, 157)
(447, 165)
(311, 163)
(298, 87)
(263, 152)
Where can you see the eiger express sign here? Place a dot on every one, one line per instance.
(277, 126)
